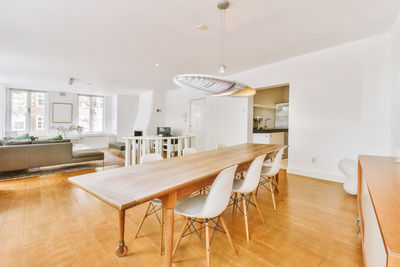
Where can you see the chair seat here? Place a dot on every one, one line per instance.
(156, 201)
(237, 184)
(191, 206)
(266, 171)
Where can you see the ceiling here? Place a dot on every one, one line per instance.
(111, 47)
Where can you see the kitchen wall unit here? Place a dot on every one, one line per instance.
(269, 138)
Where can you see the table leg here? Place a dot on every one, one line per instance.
(169, 203)
(122, 249)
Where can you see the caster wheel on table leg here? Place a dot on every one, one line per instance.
(121, 251)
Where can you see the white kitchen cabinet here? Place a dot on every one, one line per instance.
(261, 138)
(269, 138)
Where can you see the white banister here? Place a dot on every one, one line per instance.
(144, 146)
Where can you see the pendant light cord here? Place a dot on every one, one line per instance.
(222, 37)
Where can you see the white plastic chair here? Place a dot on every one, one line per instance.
(247, 187)
(348, 168)
(189, 150)
(155, 205)
(268, 175)
(217, 146)
(207, 208)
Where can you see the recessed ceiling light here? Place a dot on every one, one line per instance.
(157, 64)
(202, 27)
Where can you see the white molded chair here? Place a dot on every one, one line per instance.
(189, 150)
(219, 146)
(155, 205)
(207, 208)
(268, 175)
(348, 168)
(246, 188)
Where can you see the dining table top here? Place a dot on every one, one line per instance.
(127, 187)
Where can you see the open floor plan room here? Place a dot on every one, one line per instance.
(200, 133)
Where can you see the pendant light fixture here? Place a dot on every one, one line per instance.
(214, 85)
(222, 6)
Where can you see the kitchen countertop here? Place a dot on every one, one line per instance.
(270, 130)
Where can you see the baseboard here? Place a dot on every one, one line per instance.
(317, 175)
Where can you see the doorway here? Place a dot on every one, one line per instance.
(197, 123)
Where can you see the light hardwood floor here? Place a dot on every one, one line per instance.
(45, 221)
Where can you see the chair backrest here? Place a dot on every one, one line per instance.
(150, 157)
(253, 174)
(276, 165)
(219, 146)
(189, 150)
(348, 166)
(219, 194)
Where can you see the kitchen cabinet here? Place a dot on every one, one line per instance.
(269, 138)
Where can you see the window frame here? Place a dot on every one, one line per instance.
(37, 101)
(91, 112)
(28, 126)
(43, 128)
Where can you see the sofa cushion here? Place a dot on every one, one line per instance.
(58, 137)
(14, 142)
(23, 137)
(47, 141)
(117, 145)
(85, 153)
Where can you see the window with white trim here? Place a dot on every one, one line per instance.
(26, 108)
(91, 113)
(40, 100)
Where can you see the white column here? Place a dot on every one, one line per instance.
(128, 152)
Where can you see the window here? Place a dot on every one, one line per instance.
(27, 111)
(40, 99)
(39, 123)
(91, 113)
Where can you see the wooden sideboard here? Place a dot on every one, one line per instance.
(379, 210)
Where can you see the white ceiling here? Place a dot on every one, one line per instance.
(115, 44)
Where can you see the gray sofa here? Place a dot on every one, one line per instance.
(37, 154)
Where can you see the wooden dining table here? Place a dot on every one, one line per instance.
(168, 180)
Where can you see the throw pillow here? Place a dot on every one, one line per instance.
(58, 137)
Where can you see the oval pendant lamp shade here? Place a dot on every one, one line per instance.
(213, 85)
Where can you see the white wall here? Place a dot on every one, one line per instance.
(127, 109)
(226, 117)
(56, 97)
(395, 75)
(144, 113)
(339, 104)
(2, 110)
